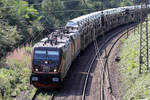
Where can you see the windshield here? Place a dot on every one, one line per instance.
(46, 55)
(40, 54)
(53, 55)
(46, 60)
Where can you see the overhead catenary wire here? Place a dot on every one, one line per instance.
(37, 35)
(41, 30)
(38, 4)
(85, 3)
(65, 11)
(105, 56)
(33, 34)
(74, 10)
(94, 33)
(58, 11)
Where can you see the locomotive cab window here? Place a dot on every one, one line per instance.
(46, 55)
(53, 55)
(46, 60)
(40, 54)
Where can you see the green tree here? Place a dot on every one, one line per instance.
(8, 38)
(18, 19)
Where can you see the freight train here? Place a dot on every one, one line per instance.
(53, 55)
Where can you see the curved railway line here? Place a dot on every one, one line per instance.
(105, 67)
(78, 83)
(104, 64)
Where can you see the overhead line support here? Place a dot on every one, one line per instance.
(144, 49)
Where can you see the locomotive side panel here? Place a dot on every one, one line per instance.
(67, 58)
(73, 46)
(77, 45)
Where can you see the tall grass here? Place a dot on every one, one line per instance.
(14, 74)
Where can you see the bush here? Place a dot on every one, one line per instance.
(13, 80)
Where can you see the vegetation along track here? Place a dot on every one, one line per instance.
(78, 83)
(51, 94)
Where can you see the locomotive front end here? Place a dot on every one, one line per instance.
(46, 67)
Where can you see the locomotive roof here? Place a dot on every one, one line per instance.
(47, 43)
(61, 41)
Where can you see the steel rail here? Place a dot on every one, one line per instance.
(52, 97)
(106, 62)
(38, 91)
(91, 64)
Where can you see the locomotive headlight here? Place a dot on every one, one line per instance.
(36, 69)
(55, 70)
(55, 79)
(46, 62)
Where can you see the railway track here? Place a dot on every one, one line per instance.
(52, 97)
(105, 67)
(51, 94)
(75, 88)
